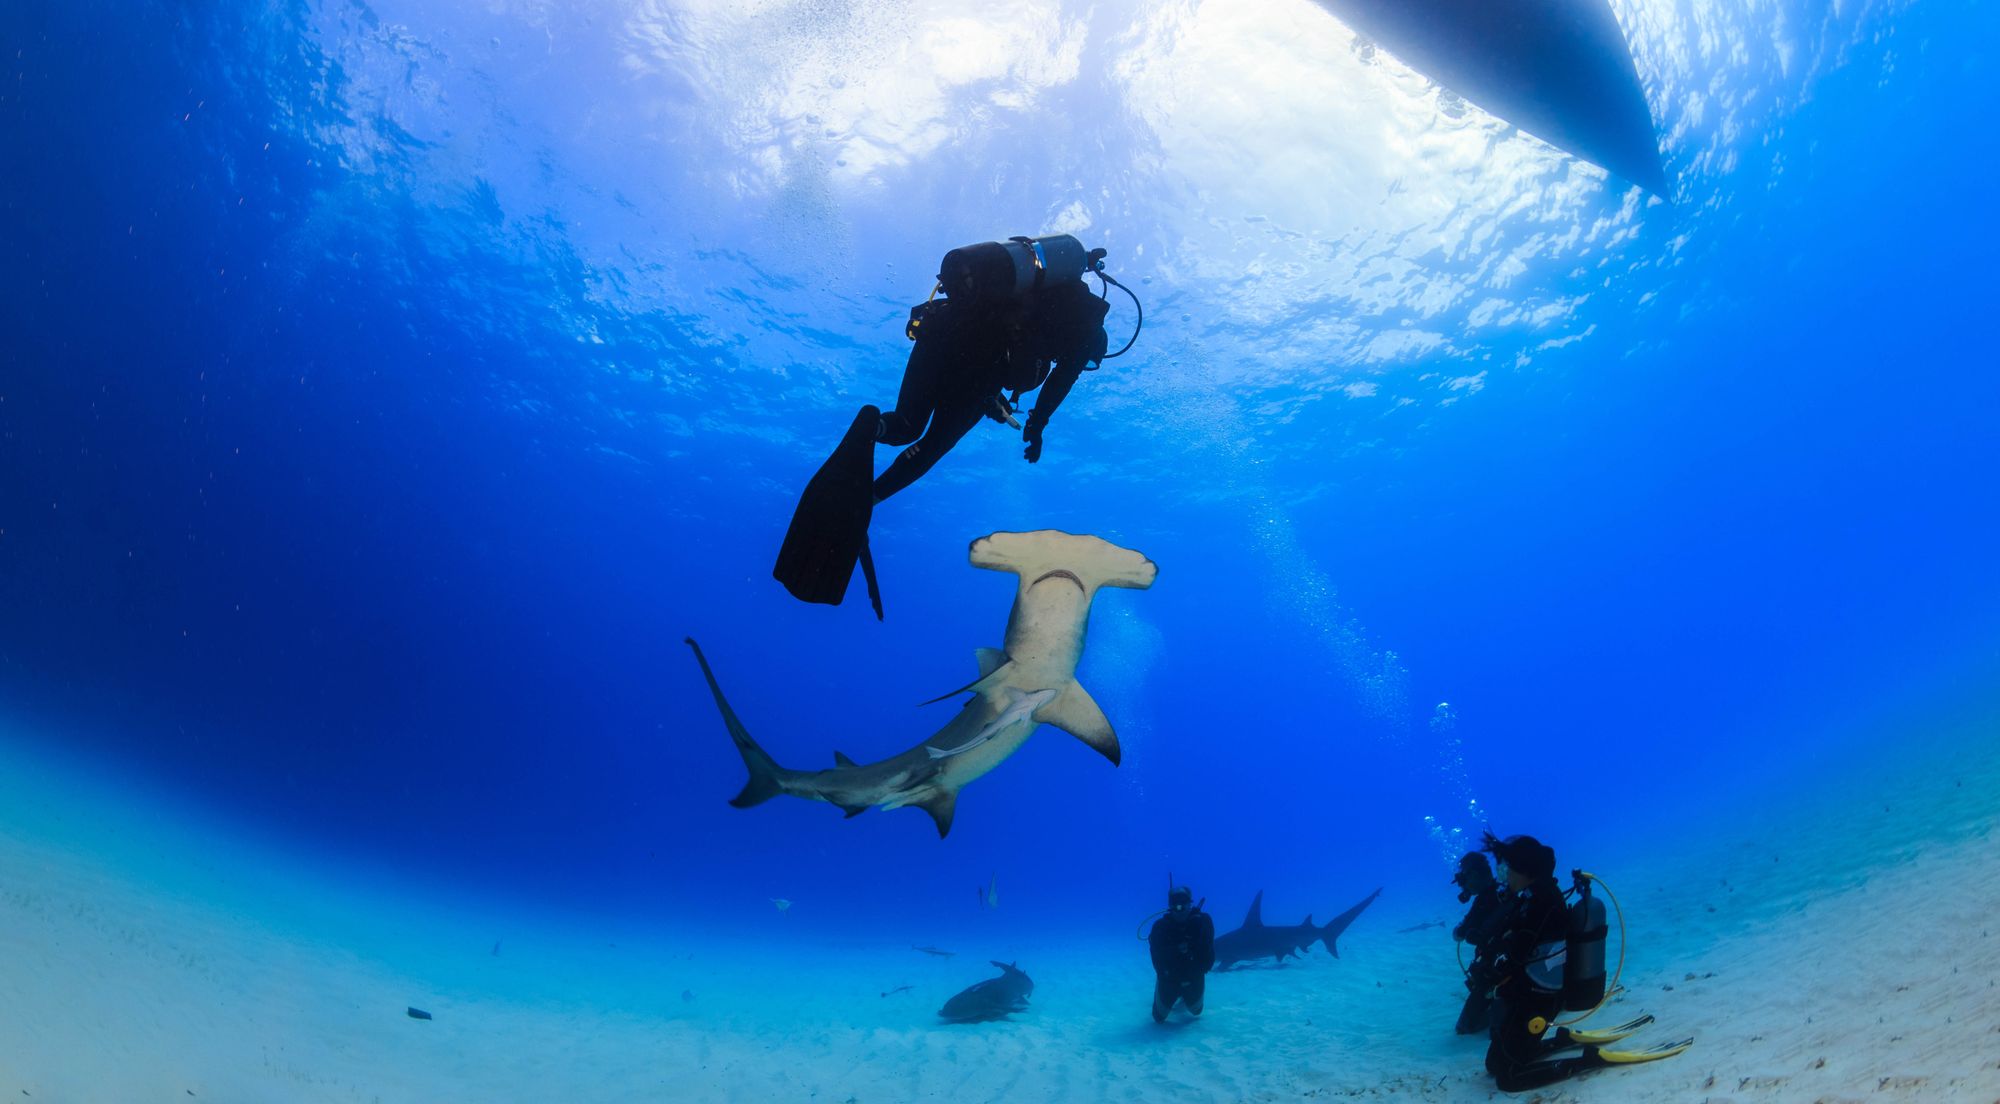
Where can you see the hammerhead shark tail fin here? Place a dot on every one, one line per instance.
(1077, 713)
(1331, 931)
(764, 781)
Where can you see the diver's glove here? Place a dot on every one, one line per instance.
(1032, 435)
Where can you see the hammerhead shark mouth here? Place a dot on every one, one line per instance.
(1059, 573)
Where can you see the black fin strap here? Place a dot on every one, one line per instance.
(868, 573)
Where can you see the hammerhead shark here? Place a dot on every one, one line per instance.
(1029, 681)
(1256, 939)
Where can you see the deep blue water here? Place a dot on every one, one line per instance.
(386, 391)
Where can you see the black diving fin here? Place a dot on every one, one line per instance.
(829, 531)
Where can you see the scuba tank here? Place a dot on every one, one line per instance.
(994, 271)
(1583, 969)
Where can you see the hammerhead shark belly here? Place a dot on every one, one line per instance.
(1029, 681)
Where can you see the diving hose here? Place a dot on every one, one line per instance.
(1140, 934)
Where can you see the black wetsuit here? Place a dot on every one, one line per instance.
(966, 355)
(1534, 922)
(1476, 929)
(1183, 946)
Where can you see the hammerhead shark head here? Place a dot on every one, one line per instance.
(1029, 681)
(1256, 939)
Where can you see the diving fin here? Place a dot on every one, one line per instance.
(829, 530)
(1564, 1038)
(1650, 1054)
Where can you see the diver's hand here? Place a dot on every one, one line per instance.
(1032, 435)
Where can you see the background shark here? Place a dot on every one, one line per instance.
(1256, 939)
(991, 999)
(1060, 573)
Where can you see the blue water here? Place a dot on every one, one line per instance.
(387, 389)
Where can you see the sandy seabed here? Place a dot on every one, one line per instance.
(1864, 965)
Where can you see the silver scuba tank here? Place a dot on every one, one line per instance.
(1583, 969)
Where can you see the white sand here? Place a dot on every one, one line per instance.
(130, 971)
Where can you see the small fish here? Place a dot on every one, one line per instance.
(496, 949)
(416, 1013)
(899, 989)
(1420, 927)
(687, 996)
(1021, 706)
(781, 903)
(990, 896)
(934, 952)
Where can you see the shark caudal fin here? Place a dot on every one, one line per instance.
(1331, 931)
(765, 772)
(1093, 561)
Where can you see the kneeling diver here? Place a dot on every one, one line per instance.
(1016, 316)
(1525, 964)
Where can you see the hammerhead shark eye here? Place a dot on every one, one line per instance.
(1059, 573)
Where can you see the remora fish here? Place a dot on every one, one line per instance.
(1256, 939)
(1060, 573)
(1021, 706)
(991, 999)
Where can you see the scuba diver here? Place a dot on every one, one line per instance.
(1183, 946)
(1016, 317)
(1526, 963)
(1475, 884)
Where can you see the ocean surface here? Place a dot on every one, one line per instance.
(387, 390)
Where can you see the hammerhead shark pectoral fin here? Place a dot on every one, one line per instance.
(942, 808)
(1075, 712)
(988, 676)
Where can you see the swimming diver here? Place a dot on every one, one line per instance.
(1016, 317)
(1183, 946)
(1475, 884)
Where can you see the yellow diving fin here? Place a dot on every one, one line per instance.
(1650, 1054)
(1565, 1037)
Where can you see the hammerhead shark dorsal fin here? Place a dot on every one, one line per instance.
(1075, 712)
(942, 808)
(840, 759)
(988, 677)
(1256, 917)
